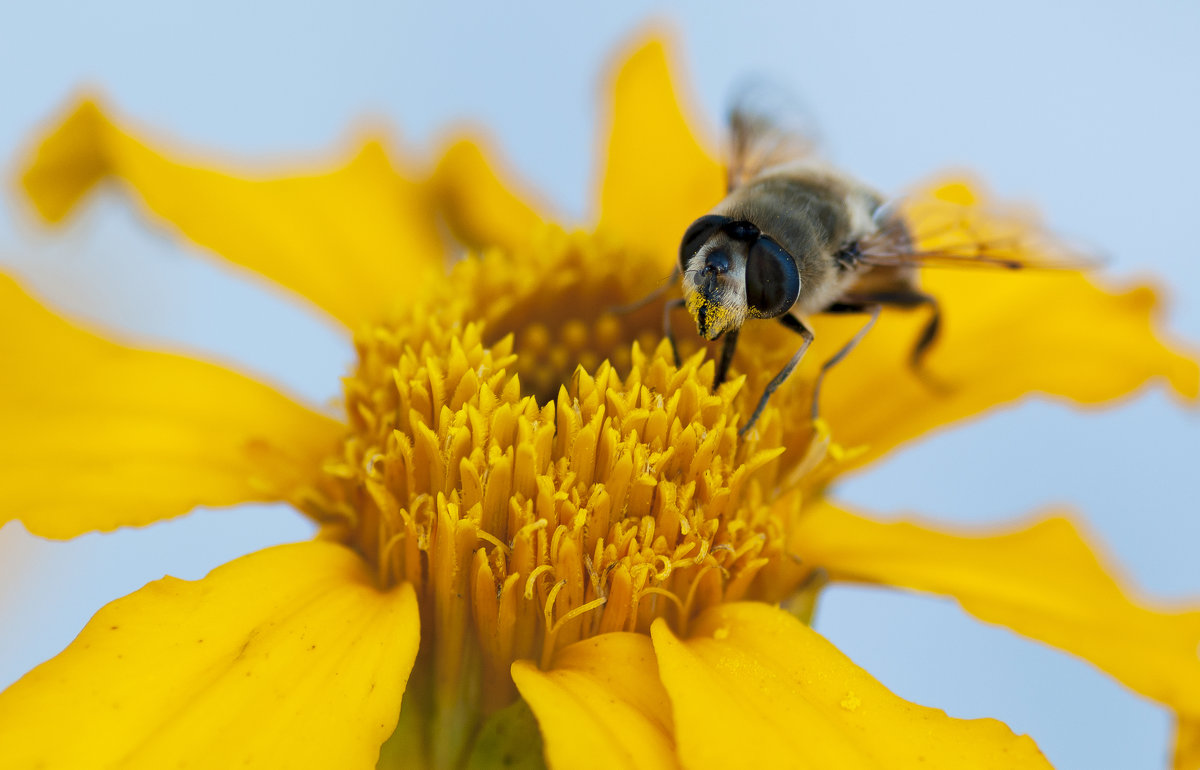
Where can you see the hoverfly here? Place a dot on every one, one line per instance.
(795, 237)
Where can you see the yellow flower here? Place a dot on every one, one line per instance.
(526, 507)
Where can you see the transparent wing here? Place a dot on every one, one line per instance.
(938, 229)
(767, 126)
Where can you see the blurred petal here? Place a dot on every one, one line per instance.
(1187, 745)
(602, 705)
(657, 178)
(754, 687)
(354, 241)
(98, 436)
(1004, 335)
(481, 209)
(1043, 581)
(289, 657)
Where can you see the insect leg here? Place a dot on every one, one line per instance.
(929, 334)
(653, 295)
(911, 298)
(798, 326)
(727, 347)
(838, 356)
(669, 333)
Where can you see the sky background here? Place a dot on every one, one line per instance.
(1087, 110)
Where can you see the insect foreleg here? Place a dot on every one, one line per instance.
(668, 332)
(727, 347)
(798, 326)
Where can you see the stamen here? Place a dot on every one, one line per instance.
(594, 604)
(548, 606)
(532, 497)
(665, 593)
(690, 601)
(665, 572)
(551, 630)
(533, 576)
(386, 551)
(489, 537)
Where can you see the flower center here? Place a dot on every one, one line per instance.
(560, 302)
(527, 523)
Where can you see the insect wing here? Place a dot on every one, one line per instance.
(767, 127)
(936, 230)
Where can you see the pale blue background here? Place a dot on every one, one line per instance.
(1088, 110)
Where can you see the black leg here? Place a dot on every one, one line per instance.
(646, 300)
(905, 298)
(929, 334)
(837, 357)
(798, 326)
(727, 347)
(668, 332)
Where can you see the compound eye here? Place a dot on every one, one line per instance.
(742, 231)
(772, 279)
(696, 236)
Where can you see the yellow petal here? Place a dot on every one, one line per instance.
(289, 657)
(98, 436)
(602, 705)
(1042, 580)
(754, 687)
(1005, 335)
(657, 177)
(480, 209)
(1187, 745)
(354, 241)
